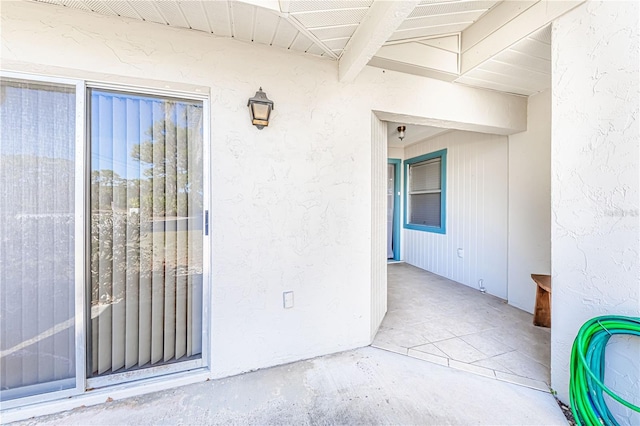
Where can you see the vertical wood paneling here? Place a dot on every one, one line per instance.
(378, 222)
(477, 198)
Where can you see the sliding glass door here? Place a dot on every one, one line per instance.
(146, 231)
(38, 238)
(102, 255)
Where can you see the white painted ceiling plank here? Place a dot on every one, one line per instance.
(511, 69)
(493, 20)
(338, 31)
(492, 85)
(449, 43)
(534, 18)
(124, 8)
(428, 32)
(309, 35)
(421, 55)
(147, 11)
(534, 48)
(285, 34)
(76, 4)
(301, 44)
(383, 19)
(218, 16)
(512, 80)
(336, 43)
(331, 17)
(195, 15)
(543, 35)
(243, 19)
(272, 5)
(431, 21)
(315, 50)
(100, 7)
(316, 5)
(445, 8)
(172, 13)
(285, 5)
(523, 60)
(388, 64)
(265, 26)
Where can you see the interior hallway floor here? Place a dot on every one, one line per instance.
(444, 322)
(364, 386)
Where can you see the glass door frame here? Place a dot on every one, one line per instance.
(82, 242)
(203, 362)
(79, 241)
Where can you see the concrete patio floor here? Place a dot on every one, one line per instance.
(441, 321)
(363, 386)
(487, 364)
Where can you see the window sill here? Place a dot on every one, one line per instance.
(425, 228)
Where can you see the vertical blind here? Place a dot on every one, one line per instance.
(37, 161)
(146, 230)
(425, 192)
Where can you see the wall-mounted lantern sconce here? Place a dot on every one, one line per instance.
(260, 108)
(401, 130)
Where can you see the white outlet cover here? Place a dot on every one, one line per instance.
(287, 299)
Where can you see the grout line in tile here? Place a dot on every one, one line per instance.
(489, 357)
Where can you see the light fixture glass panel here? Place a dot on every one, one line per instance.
(260, 111)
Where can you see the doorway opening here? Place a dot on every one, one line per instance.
(447, 301)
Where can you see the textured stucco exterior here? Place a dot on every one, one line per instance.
(595, 167)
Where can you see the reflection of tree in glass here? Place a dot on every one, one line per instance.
(166, 160)
(140, 226)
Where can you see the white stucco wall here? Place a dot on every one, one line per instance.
(530, 202)
(291, 204)
(595, 244)
(477, 167)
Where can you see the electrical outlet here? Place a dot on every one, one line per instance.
(460, 253)
(287, 299)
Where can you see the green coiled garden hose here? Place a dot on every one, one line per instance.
(586, 385)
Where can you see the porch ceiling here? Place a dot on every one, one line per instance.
(429, 39)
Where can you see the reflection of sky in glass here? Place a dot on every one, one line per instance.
(120, 122)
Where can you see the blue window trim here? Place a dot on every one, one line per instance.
(396, 202)
(443, 194)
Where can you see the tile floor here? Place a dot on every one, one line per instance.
(438, 320)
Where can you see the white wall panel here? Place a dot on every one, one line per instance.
(477, 180)
(530, 203)
(378, 222)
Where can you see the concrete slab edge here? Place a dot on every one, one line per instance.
(462, 366)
